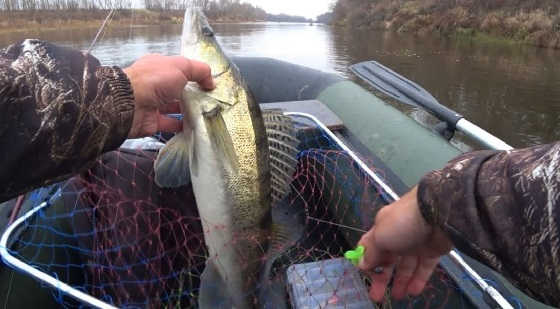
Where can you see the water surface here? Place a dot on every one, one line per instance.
(512, 91)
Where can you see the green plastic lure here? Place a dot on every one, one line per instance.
(355, 255)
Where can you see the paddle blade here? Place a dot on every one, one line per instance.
(403, 90)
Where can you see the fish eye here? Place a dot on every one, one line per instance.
(207, 31)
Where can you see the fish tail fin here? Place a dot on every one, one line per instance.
(172, 164)
(213, 292)
(288, 227)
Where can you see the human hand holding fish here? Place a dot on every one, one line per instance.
(158, 82)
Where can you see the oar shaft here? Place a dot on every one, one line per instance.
(408, 92)
(482, 136)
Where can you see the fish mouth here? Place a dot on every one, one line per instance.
(191, 27)
(196, 26)
(206, 29)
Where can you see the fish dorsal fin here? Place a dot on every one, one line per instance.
(282, 144)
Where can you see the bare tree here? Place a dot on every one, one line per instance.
(215, 9)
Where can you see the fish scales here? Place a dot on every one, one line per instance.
(233, 204)
(243, 120)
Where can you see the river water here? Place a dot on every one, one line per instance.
(512, 91)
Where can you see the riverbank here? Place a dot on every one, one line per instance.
(531, 22)
(44, 20)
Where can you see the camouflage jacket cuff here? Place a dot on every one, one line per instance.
(118, 87)
(444, 193)
(494, 204)
(428, 200)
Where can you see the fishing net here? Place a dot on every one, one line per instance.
(113, 234)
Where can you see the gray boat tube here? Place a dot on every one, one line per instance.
(406, 147)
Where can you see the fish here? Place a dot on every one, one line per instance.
(240, 161)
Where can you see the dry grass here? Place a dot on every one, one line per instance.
(49, 20)
(45, 20)
(534, 22)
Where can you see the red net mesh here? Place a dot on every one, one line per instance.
(114, 234)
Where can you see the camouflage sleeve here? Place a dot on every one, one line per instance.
(59, 110)
(503, 208)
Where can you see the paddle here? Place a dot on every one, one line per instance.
(408, 92)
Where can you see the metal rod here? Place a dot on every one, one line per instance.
(36, 273)
(482, 136)
(490, 290)
(454, 255)
(351, 153)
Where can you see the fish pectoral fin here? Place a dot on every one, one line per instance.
(220, 137)
(172, 164)
(213, 291)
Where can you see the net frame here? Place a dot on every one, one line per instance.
(45, 278)
(87, 299)
(454, 255)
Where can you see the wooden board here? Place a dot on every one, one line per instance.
(312, 107)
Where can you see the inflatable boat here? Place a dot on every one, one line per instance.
(358, 154)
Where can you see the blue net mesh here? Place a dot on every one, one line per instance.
(113, 234)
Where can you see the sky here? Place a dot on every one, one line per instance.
(307, 8)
